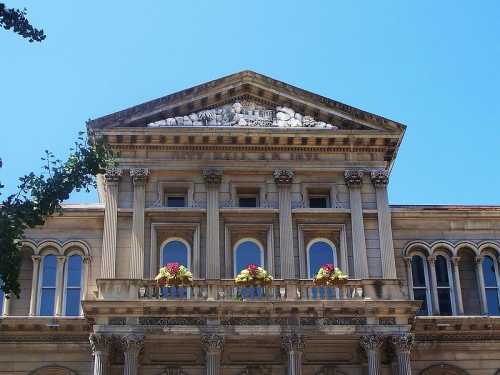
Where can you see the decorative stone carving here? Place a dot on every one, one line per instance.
(139, 174)
(212, 176)
(353, 177)
(283, 176)
(112, 174)
(379, 177)
(292, 342)
(403, 343)
(133, 342)
(212, 342)
(371, 342)
(99, 343)
(245, 113)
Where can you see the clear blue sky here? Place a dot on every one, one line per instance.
(433, 65)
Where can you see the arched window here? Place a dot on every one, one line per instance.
(48, 285)
(73, 285)
(491, 285)
(420, 283)
(176, 250)
(444, 290)
(247, 251)
(319, 252)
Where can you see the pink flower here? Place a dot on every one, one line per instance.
(329, 267)
(252, 268)
(173, 267)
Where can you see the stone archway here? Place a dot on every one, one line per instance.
(443, 369)
(53, 370)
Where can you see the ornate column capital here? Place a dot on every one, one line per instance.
(61, 259)
(371, 342)
(212, 176)
(431, 259)
(403, 343)
(112, 174)
(283, 176)
(479, 259)
(407, 260)
(99, 343)
(212, 343)
(139, 175)
(36, 259)
(380, 178)
(292, 342)
(133, 343)
(455, 260)
(353, 177)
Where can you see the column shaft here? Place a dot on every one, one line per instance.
(403, 344)
(293, 344)
(59, 285)
(34, 285)
(286, 232)
(431, 261)
(213, 345)
(371, 344)
(409, 275)
(100, 346)
(136, 260)
(108, 258)
(132, 346)
(458, 287)
(480, 283)
(213, 252)
(6, 305)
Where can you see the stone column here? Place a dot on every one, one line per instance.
(213, 178)
(403, 344)
(293, 344)
(132, 346)
(108, 259)
(61, 260)
(283, 179)
(100, 345)
(371, 344)
(34, 284)
(480, 283)
(431, 261)
(6, 305)
(458, 288)
(136, 260)
(213, 345)
(380, 179)
(354, 179)
(86, 266)
(409, 275)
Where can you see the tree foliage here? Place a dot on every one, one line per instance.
(16, 20)
(40, 196)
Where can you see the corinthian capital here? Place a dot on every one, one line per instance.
(379, 177)
(353, 177)
(99, 343)
(371, 342)
(292, 342)
(212, 342)
(212, 176)
(403, 343)
(112, 174)
(283, 176)
(133, 343)
(139, 175)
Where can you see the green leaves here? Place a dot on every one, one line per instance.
(40, 196)
(16, 20)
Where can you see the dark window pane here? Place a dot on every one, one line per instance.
(247, 202)
(175, 251)
(492, 298)
(49, 271)
(319, 253)
(442, 271)
(1, 297)
(318, 202)
(489, 272)
(73, 302)
(47, 301)
(444, 298)
(421, 295)
(74, 271)
(417, 271)
(173, 201)
(247, 252)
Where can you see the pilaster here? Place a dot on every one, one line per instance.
(293, 345)
(371, 344)
(213, 345)
(136, 263)
(380, 179)
(403, 344)
(480, 283)
(283, 179)
(59, 284)
(458, 288)
(100, 345)
(431, 261)
(108, 259)
(354, 180)
(132, 347)
(34, 284)
(213, 179)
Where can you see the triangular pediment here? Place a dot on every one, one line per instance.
(247, 99)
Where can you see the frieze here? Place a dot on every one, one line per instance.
(178, 321)
(117, 321)
(44, 338)
(245, 113)
(353, 321)
(387, 321)
(250, 321)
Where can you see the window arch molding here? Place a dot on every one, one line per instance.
(237, 245)
(173, 239)
(489, 247)
(51, 369)
(308, 252)
(443, 247)
(459, 247)
(417, 247)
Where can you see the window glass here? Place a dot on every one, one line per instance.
(319, 253)
(318, 202)
(421, 295)
(73, 284)
(247, 252)
(176, 201)
(247, 201)
(1, 297)
(492, 299)
(442, 271)
(175, 251)
(444, 298)
(417, 270)
(490, 279)
(74, 277)
(48, 295)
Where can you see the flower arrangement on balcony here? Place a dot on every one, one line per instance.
(253, 275)
(330, 275)
(174, 274)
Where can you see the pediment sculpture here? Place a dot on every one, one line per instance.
(245, 113)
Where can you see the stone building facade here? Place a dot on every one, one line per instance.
(247, 168)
